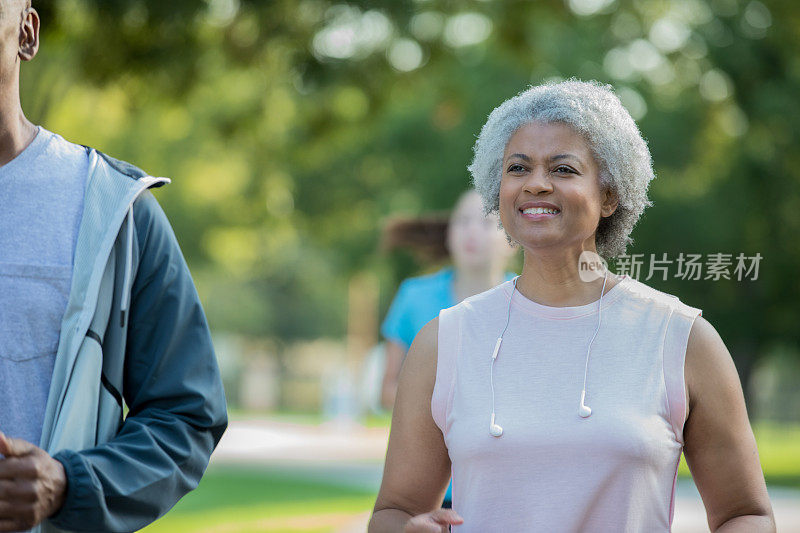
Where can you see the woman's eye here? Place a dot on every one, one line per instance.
(562, 169)
(516, 168)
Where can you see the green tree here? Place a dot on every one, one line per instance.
(292, 129)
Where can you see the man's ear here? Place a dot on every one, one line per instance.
(610, 202)
(29, 34)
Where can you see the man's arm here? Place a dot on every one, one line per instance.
(172, 386)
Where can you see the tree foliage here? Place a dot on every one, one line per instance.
(293, 129)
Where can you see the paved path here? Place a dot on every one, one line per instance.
(350, 455)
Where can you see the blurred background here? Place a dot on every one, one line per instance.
(294, 131)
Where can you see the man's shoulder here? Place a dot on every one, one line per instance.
(123, 167)
(146, 206)
(147, 210)
(62, 147)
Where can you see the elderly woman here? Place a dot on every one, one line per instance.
(561, 400)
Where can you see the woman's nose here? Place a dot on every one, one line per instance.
(538, 180)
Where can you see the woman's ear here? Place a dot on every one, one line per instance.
(610, 202)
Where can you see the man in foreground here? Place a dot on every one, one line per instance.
(111, 400)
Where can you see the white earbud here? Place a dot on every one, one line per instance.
(494, 429)
(584, 410)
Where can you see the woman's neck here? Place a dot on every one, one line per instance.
(558, 281)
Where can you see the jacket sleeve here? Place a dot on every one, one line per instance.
(172, 387)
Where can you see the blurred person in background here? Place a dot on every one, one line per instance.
(111, 400)
(500, 389)
(480, 253)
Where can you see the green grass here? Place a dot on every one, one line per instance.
(310, 418)
(245, 499)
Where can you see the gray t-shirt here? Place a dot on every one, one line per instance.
(41, 201)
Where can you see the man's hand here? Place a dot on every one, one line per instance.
(32, 485)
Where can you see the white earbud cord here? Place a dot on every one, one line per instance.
(584, 410)
(494, 429)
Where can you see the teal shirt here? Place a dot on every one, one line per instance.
(418, 301)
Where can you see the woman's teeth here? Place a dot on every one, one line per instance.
(539, 211)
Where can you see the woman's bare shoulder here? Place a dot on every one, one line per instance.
(707, 361)
(420, 363)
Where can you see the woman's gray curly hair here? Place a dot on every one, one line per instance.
(593, 110)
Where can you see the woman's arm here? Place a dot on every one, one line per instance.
(719, 445)
(417, 465)
(394, 360)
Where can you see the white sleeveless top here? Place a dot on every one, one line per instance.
(552, 470)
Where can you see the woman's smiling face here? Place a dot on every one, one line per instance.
(551, 164)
